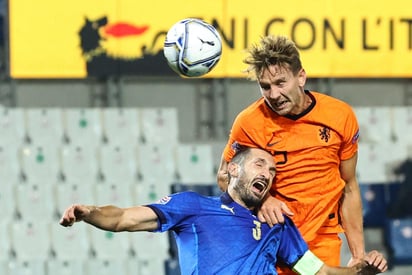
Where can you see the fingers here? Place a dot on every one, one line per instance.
(68, 217)
(72, 214)
(271, 217)
(285, 209)
(377, 260)
(271, 211)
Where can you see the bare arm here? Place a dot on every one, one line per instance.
(351, 210)
(111, 218)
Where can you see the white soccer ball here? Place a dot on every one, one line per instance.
(192, 47)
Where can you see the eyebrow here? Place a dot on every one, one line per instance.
(272, 168)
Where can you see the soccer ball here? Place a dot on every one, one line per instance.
(192, 47)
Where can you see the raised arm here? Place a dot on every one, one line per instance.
(111, 218)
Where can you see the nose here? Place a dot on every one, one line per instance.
(274, 92)
(265, 173)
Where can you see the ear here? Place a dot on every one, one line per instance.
(302, 77)
(233, 169)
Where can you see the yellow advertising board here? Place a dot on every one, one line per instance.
(81, 38)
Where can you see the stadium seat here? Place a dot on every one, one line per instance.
(44, 126)
(12, 127)
(159, 125)
(150, 266)
(65, 267)
(83, 126)
(194, 163)
(7, 201)
(30, 240)
(106, 267)
(371, 164)
(156, 172)
(402, 123)
(149, 191)
(150, 245)
(4, 267)
(206, 189)
(5, 247)
(40, 162)
(10, 170)
(121, 195)
(80, 163)
(27, 267)
(398, 240)
(110, 245)
(374, 124)
(35, 201)
(121, 126)
(374, 204)
(70, 243)
(67, 193)
(118, 163)
(156, 161)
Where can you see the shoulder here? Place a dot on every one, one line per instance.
(183, 198)
(331, 102)
(333, 108)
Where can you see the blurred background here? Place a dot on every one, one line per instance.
(91, 113)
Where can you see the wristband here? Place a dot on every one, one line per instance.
(308, 264)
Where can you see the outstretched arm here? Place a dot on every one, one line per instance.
(111, 218)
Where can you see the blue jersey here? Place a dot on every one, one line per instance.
(215, 235)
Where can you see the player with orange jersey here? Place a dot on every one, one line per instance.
(313, 138)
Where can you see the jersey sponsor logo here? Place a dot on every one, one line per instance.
(231, 209)
(164, 200)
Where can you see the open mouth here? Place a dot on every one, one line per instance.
(281, 103)
(259, 186)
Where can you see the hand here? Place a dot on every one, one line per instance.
(373, 263)
(272, 211)
(74, 213)
(223, 179)
(376, 260)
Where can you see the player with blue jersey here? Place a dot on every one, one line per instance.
(207, 233)
(222, 235)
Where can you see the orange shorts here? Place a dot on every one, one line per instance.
(325, 246)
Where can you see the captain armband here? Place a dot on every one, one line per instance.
(308, 264)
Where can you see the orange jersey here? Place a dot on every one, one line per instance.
(308, 149)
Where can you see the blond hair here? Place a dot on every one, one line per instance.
(272, 50)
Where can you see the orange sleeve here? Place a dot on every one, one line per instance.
(350, 136)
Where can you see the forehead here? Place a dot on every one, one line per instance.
(261, 154)
(275, 72)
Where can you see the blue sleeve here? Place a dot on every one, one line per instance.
(176, 210)
(292, 246)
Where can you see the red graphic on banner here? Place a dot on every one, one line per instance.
(123, 29)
